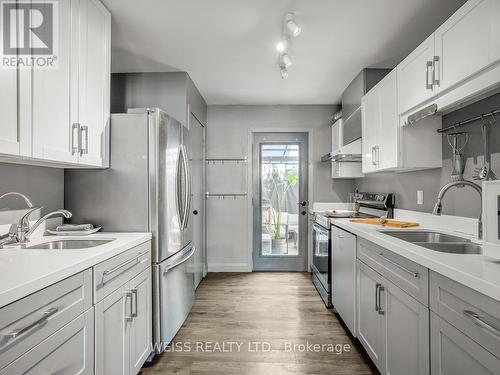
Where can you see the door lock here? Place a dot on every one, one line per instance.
(195, 212)
(303, 203)
(303, 213)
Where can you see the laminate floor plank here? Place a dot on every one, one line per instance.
(272, 316)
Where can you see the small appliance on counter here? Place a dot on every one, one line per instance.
(369, 205)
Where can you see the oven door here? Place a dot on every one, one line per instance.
(321, 256)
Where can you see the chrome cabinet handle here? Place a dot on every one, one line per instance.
(436, 76)
(84, 150)
(45, 315)
(134, 303)
(128, 298)
(373, 156)
(75, 148)
(121, 265)
(413, 273)
(377, 155)
(476, 318)
(377, 307)
(428, 83)
(380, 289)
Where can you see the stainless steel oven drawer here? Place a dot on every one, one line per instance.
(30, 320)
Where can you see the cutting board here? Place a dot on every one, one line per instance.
(388, 223)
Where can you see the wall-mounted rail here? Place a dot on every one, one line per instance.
(486, 116)
(225, 195)
(226, 160)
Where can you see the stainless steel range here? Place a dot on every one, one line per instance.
(369, 205)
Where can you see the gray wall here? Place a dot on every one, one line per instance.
(227, 135)
(460, 202)
(45, 186)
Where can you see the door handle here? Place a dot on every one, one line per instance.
(128, 298)
(428, 83)
(373, 156)
(436, 76)
(379, 290)
(133, 303)
(45, 315)
(178, 185)
(84, 150)
(75, 147)
(195, 212)
(303, 203)
(303, 213)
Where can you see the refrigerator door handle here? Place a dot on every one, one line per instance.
(188, 190)
(178, 186)
(183, 260)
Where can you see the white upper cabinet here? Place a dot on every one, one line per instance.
(9, 126)
(415, 76)
(457, 63)
(466, 43)
(60, 115)
(93, 80)
(388, 146)
(51, 91)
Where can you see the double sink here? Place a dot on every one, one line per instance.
(436, 241)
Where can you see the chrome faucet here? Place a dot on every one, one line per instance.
(24, 231)
(26, 199)
(461, 183)
(11, 235)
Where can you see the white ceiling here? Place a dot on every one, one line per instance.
(228, 46)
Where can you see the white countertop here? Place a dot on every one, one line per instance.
(24, 271)
(479, 272)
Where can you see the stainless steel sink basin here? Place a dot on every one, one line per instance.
(425, 236)
(69, 244)
(453, 248)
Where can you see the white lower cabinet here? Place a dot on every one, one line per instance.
(69, 351)
(123, 327)
(393, 327)
(454, 353)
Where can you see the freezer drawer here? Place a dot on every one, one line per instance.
(173, 295)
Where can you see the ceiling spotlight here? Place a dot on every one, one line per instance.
(282, 46)
(284, 72)
(285, 60)
(291, 25)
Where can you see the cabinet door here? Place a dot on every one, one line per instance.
(140, 334)
(9, 125)
(68, 351)
(415, 76)
(370, 120)
(93, 80)
(407, 333)
(370, 322)
(112, 323)
(344, 276)
(51, 94)
(465, 42)
(387, 152)
(453, 353)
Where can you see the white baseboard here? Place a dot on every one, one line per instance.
(229, 267)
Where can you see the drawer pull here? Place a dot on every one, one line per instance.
(128, 298)
(378, 289)
(133, 303)
(45, 315)
(114, 269)
(413, 273)
(476, 318)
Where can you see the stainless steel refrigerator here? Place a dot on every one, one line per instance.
(146, 188)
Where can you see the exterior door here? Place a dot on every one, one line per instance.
(280, 191)
(197, 132)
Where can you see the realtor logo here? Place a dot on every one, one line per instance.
(29, 33)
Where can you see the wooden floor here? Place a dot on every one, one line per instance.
(277, 309)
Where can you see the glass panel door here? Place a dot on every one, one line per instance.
(280, 200)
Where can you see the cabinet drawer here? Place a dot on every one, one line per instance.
(453, 353)
(406, 274)
(473, 313)
(69, 351)
(113, 273)
(29, 321)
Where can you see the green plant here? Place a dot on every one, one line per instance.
(275, 187)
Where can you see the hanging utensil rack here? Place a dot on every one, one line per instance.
(225, 195)
(472, 119)
(226, 160)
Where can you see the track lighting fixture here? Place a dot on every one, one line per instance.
(285, 60)
(290, 29)
(292, 26)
